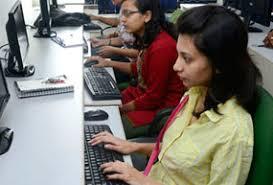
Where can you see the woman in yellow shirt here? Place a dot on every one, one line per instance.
(210, 140)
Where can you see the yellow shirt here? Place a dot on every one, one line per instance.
(215, 149)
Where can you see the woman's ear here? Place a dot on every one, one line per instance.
(147, 16)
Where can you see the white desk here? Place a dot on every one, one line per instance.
(48, 131)
(114, 121)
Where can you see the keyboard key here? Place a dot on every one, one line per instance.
(97, 155)
(100, 84)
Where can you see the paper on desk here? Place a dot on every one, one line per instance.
(67, 39)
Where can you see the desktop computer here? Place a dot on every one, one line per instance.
(54, 3)
(44, 20)
(4, 93)
(252, 11)
(6, 134)
(18, 44)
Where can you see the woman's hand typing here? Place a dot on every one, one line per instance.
(113, 143)
(121, 171)
(102, 62)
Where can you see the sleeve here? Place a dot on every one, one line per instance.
(134, 69)
(231, 164)
(160, 64)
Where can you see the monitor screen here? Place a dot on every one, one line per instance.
(18, 43)
(258, 11)
(55, 3)
(252, 11)
(4, 93)
(43, 22)
(21, 32)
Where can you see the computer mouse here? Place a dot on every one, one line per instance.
(89, 63)
(95, 115)
(91, 26)
(6, 136)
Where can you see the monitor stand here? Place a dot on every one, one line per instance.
(13, 71)
(251, 29)
(6, 136)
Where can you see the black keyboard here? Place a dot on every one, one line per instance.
(198, 1)
(100, 84)
(94, 156)
(94, 50)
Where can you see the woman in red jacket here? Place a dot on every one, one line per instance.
(158, 85)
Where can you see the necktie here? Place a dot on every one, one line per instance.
(170, 120)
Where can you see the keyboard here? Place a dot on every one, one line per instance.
(100, 84)
(198, 1)
(94, 50)
(94, 156)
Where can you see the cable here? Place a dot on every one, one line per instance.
(53, 34)
(3, 46)
(6, 50)
(32, 27)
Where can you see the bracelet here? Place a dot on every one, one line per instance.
(109, 43)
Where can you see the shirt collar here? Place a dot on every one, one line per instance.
(213, 116)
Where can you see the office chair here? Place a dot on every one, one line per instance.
(139, 160)
(261, 171)
(158, 122)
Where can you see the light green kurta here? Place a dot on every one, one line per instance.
(215, 149)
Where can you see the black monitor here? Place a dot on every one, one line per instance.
(6, 134)
(252, 11)
(258, 11)
(44, 20)
(4, 93)
(54, 4)
(18, 43)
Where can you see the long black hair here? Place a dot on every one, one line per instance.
(222, 37)
(157, 22)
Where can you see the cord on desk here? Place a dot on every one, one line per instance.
(32, 27)
(5, 50)
(3, 46)
(53, 34)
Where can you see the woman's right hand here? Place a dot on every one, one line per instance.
(102, 62)
(113, 143)
(99, 42)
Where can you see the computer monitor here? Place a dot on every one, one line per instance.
(18, 43)
(6, 134)
(252, 11)
(44, 20)
(258, 11)
(54, 3)
(4, 93)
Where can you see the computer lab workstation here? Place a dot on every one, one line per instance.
(44, 138)
(46, 133)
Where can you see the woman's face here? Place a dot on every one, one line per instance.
(191, 66)
(132, 19)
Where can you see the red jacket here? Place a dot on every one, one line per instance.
(163, 87)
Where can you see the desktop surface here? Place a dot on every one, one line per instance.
(48, 143)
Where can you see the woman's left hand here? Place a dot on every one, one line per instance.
(121, 171)
(106, 51)
(127, 107)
